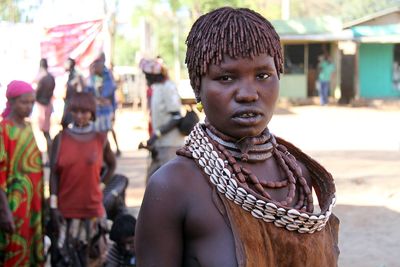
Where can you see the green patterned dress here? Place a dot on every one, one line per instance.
(21, 177)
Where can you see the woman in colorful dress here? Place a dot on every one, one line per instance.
(21, 182)
(76, 198)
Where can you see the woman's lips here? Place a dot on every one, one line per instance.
(247, 118)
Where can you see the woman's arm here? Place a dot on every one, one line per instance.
(6, 217)
(55, 215)
(171, 124)
(54, 179)
(159, 237)
(109, 159)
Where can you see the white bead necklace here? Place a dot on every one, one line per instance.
(206, 156)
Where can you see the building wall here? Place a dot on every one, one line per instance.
(375, 71)
(299, 79)
(293, 86)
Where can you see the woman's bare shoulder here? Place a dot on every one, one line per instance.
(171, 188)
(176, 176)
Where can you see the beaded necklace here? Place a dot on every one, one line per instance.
(81, 130)
(249, 152)
(232, 180)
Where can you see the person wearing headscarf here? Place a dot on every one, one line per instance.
(21, 182)
(165, 115)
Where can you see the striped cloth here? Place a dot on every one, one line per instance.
(115, 258)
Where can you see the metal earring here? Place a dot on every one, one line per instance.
(199, 106)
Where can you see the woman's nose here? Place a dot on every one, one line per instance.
(247, 91)
(79, 115)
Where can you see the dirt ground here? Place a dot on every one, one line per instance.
(359, 146)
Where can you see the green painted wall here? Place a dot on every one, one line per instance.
(293, 86)
(375, 71)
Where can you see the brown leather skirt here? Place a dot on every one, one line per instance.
(262, 244)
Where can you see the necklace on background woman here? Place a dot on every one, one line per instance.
(81, 130)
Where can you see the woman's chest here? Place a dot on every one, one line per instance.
(74, 152)
(208, 238)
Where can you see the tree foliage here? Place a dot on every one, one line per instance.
(125, 51)
(347, 10)
(354, 9)
(18, 10)
(163, 16)
(10, 11)
(170, 20)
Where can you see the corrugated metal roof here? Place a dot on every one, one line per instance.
(318, 25)
(344, 35)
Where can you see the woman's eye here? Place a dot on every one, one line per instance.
(225, 78)
(263, 76)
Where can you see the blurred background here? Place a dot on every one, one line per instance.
(356, 136)
(361, 36)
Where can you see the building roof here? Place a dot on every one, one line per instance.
(319, 25)
(344, 35)
(370, 17)
(319, 29)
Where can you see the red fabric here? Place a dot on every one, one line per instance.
(82, 41)
(21, 177)
(78, 165)
(149, 93)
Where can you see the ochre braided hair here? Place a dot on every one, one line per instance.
(237, 32)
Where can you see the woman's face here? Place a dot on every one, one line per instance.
(239, 95)
(81, 117)
(23, 104)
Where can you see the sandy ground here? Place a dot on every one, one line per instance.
(359, 146)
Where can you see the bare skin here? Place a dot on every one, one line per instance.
(179, 224)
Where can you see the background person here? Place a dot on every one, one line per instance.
(165, 106)
(237, 195)
(21, 182)
(44, 96)
(76, 198)
(325, 70)
(122, 251)
(75, 83)
(101, 84)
